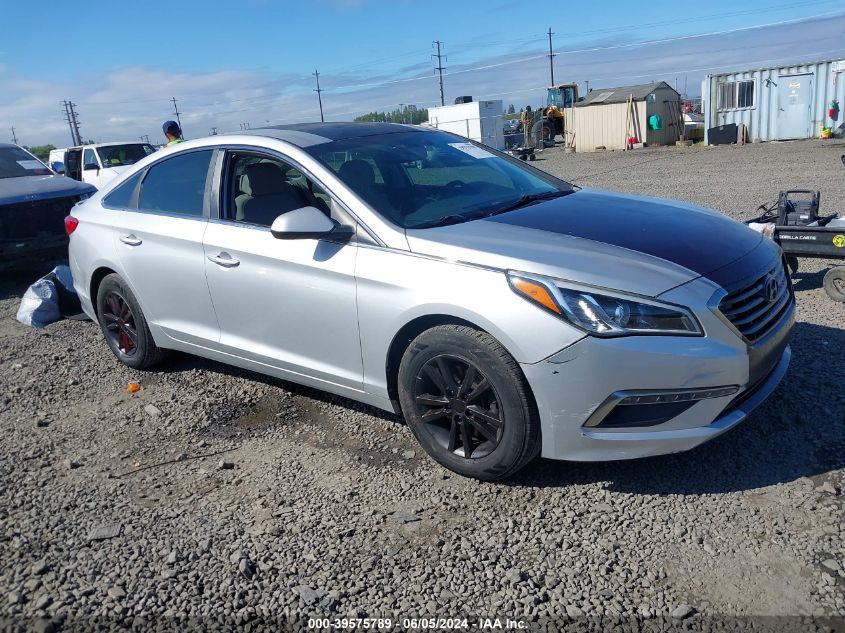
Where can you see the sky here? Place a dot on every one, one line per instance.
(252, 61)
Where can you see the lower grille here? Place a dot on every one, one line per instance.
(28, 220)
(755, 308)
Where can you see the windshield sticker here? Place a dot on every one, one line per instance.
(472, 150)
(30, 164)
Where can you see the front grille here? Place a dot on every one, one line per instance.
(28, 220)
(752, 310)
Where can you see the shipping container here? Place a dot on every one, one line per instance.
(778, 102)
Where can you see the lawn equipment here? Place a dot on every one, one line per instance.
(793, 221)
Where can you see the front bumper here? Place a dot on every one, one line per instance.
(572, 386)
(654, 442)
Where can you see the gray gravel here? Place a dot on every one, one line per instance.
(228, 497)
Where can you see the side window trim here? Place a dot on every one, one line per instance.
(276, 155)
(214, 189)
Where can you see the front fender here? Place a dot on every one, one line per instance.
(397, 287)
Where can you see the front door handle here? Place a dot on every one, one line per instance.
(130, 240)
(224, 259)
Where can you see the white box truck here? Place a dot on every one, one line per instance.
(480, 121)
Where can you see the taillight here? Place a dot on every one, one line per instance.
(70, 224)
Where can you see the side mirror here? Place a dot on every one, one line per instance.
(91, 167)
(308, 223)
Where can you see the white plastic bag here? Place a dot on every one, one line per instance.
(49, 299)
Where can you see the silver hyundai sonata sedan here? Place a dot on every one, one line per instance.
(502, 312)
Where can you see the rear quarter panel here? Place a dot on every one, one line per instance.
(91, 247)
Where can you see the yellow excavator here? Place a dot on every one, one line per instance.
(558, 99)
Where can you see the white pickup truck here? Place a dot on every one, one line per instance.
(98, 164)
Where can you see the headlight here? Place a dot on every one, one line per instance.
(604, 314)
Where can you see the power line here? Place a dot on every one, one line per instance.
(319, 97)
(551, 59)
(176, 112)
(439, 68)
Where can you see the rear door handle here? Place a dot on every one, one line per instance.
(130, 240)
(224, 259)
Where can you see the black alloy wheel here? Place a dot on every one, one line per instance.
(459, 406)
(468, 403)
(120, 324)
(124, 324)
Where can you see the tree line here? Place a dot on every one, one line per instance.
(404, 115)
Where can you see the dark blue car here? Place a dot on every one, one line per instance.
(33, 204)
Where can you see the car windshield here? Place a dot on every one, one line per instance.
(15, 162)
(427, 179)
(120, 155)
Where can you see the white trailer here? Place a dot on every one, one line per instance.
(480, 121)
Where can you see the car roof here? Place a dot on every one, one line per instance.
(110, 144)
(308, 134)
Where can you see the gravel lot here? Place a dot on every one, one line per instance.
(233, 498)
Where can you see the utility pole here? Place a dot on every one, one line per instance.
(402, 111)
(145, 138)
(587, 81)
(67, 118)
(245, 125)
(14, 138)
(214, 131)
(75, 118)
(319, 95)
(73, 122)
(176, 112)
(439, 68)
(551, 58)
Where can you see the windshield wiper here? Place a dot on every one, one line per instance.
(525, 200)
(452, 218)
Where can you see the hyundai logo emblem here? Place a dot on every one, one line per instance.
(771, 289)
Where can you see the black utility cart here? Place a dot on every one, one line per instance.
(802, 232)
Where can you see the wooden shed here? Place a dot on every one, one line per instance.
(608, 117)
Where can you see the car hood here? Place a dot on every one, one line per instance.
(31, 188)
(107, 174)
(117, 169)
(632, 243)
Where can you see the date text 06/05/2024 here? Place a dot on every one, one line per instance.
(423, 623)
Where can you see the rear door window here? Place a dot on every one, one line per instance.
(177, 185)
(123, 196)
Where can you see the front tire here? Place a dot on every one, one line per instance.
(124, 326)
(467, 403)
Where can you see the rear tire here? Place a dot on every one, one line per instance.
(834, 283)
(468, 404)
(124, 326)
